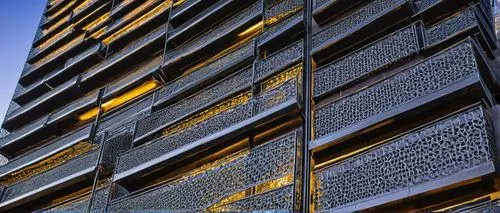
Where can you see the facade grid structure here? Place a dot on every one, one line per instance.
(256, 105)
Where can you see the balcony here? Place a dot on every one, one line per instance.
(151, 15)
(469, 22)
(86, 7)
(383, 53)
(23, 95)
(48, 33)
(121, 7)
(71, 110)
(428, 10)
(282, 30)
(143, 72)
(174, 113)
(213, 41)
(452, 150)
(207, 187)
(75, 65)
(185, 10)
(43, 104)
(55, 6)
(54, 17)
(32, 72)
(195, 80)
(352, 29)
(68, 174)
(123, 120)
(50, 44)
(330, 9)
(445, 75)
(278, 61)
(18, 139)
(142, 46)
(42, 158)
(72, 67)
(205, 19)
(210, 127)
(281, 10)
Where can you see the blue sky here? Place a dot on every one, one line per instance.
(18, 22)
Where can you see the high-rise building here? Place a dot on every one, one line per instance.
(253, 105)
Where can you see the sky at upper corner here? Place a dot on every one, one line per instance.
(18, 22)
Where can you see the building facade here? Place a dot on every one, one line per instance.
(256, 105)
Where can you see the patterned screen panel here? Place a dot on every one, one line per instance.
(439, 150)
(440, 71)
(222, 179)
(365, 61)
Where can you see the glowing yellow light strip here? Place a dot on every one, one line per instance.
(120, 100)
(62, 9)
(58, 51)
(83, 5)
(281, 78)
(492, 196)
(52, 39)
(96, 22)
(139, 21)
(48, 163)
(56, 25)
(208, 113)
(179, 2)
(256, 28)
(272, 20)
(259, 189)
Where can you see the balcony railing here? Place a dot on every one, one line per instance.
(286, 57)
(121, 55)
(191, 80)
(373, 14)
(59, 177)
(368, 60)
(203, 21)
(36, 52)
(133, 112)
(88, 101)
(204, 128)
(188, 106)
(461, 23)
(278, 200)
(40, 67)
(136, 23)
(206, 186)
(140, 73)
(454, 65)
(233, 24)
(422, 5)
(17, 138)
(449, 151)
(281, 10)
(43, 104)
(21, 167)
(280, 28)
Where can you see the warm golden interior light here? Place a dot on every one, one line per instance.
(120, 100)
(491, 197)
(256, 28)
(208, 113)
(62, 9)
(139, 21)
(179, 2)
(49, 163)
(272, 20)
(281, 78)
(82, 5)
(96, 22)
(259, 189)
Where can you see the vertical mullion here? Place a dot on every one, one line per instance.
(306, 109)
